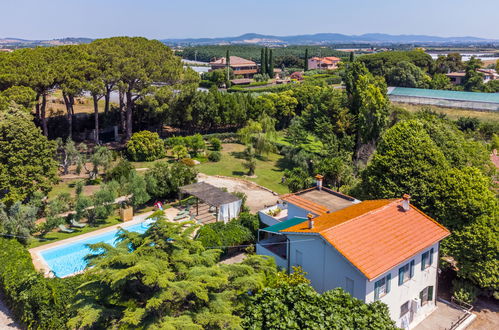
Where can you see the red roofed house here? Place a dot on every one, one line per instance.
(239, 65)
(383, 250)
(324, 63)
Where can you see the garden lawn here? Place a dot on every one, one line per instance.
(268, 171)
(55, 236)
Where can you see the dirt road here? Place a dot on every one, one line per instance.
(258, 198)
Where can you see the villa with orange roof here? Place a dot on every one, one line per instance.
(239, 65)
(384, 250)
(323, 63)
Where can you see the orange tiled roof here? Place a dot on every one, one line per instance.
(305, 204)
(234, 61)
(376, 235)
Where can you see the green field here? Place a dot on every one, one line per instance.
(453, 113)
(269, 170)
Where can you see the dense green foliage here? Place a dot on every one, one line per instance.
(145, 146)
(38, 302)
(240, 231)
(447, 175)
(164, 179)
(291, 303)
(254, 53)
(164, 279)
(27, 158)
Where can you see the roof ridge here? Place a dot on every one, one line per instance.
(361, 215)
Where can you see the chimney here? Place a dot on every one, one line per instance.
(310, 218)
(406, 202)
(318, 181)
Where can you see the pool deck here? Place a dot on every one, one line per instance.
(41, 265)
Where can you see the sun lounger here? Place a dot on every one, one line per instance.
(65, 229)
(77, 224)
(181, 216)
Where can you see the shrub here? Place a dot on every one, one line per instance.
(188, 161)
(468, 124)
(38, 302)
(464, 291)
(215, 156)
(145, 146)
(216, 144)
(163, 179)
(175, 141)
(224, 235)
(121, 170)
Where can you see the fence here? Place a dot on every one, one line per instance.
(448, 103)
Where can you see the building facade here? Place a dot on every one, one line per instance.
(323, 63)
(240, 66)
(384, 250)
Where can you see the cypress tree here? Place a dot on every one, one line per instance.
(271, 65)
(227, 61)
(265, 62)
(352, 57)
(262, 62)
(306, 59)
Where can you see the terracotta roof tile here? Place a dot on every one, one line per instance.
(377, 235)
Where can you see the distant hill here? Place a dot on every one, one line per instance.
(326, 38)
(22, 43)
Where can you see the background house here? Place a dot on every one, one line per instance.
(239, 65)
(323, 63)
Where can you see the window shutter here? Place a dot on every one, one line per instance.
(430, 293)
(431, 256)
(423, 261)
(421, 296)
(388, 282)
(376, 290)
(401, 276)
(411, 269)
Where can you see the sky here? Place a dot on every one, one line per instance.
(161, 19)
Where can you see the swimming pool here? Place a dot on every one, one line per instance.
(68, 259)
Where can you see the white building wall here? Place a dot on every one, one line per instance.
(326, 268)
(398, 295)
(295, 211)
(280, 262)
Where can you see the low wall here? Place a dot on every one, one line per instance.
(473, 105)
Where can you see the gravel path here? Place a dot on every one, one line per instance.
(6, 322)
(258, 198)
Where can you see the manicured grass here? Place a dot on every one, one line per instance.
(454, 114)
(55, 236)
(269, 170)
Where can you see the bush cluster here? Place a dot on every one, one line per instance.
(145, 146)
(214, 156)
(38, 302)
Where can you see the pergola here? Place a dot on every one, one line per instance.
(227, 205)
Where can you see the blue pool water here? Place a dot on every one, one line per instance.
(68, 259)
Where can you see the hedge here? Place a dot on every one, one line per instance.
(35, 301)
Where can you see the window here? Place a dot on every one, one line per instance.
(427, 259)
(349, 285)
(406, 272)
(382, 287)
(404, 309)
(426, 295)
(298, 259)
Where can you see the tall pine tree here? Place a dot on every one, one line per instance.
(306, 59)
